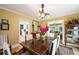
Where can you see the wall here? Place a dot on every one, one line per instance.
(65, 18)
(13, 18)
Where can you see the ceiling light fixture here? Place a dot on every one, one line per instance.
(42, 13)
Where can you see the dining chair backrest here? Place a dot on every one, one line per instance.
(58, 42)
(37, 35)
(6, 49)
(3, 38)
(51, 35)
(50, 49)
(55, 45)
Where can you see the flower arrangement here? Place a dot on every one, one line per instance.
(43, 29)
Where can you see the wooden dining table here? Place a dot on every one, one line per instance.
(36, 48)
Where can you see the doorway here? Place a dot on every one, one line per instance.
(56, 26)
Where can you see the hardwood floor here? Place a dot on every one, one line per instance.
(62, 51)
(65, 51)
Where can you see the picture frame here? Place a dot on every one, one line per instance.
(4, 20)
(4, 26)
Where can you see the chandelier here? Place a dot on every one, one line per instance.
(42, 13)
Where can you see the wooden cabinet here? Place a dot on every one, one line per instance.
(72, 31)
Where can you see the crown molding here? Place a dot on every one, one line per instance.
(15, 12)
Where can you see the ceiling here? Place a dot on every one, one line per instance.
(55, 10)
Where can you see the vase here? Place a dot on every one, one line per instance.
(43, 37)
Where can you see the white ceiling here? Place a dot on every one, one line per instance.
(55, 10)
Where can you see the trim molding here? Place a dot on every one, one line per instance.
(15, 12)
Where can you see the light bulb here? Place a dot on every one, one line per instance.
(43, 14)
(39, 14)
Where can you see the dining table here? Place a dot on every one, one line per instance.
(37, 47)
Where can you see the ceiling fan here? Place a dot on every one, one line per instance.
(42, 12)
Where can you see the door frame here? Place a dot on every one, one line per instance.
(63, 27)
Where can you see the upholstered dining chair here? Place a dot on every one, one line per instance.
(6, 49)
(3, 38)
(4, 43)
(19, 47)
(54, 46)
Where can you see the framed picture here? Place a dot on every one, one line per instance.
(4, 26)
(4, 20)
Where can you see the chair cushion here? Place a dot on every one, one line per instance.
(6, 49)
(16, 48)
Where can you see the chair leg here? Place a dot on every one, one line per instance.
(57, 52)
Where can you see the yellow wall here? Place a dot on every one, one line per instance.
(13, 18)
(66, 18)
